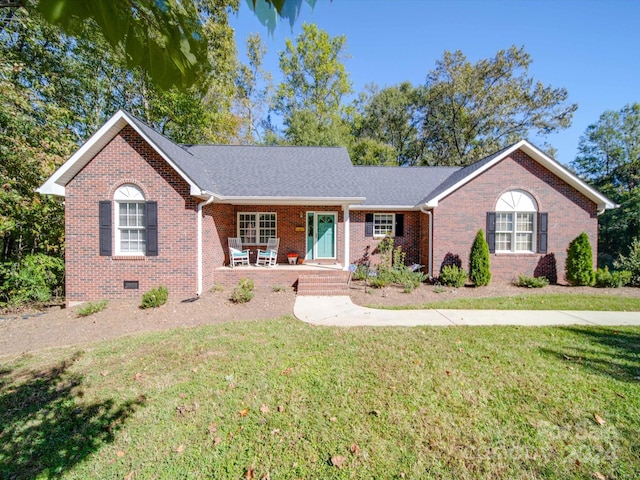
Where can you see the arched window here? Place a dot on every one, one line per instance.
(130, 221)
(516, 222)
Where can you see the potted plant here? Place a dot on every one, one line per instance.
(292, 257)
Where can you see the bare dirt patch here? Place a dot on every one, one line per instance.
(29, 331)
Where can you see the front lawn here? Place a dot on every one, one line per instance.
(535, 302)
(280, 399)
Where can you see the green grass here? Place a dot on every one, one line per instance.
(534, 302)
(452, 403)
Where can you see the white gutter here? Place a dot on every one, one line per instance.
(199, 266)
(430, 253)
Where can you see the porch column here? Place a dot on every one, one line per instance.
(345, 209)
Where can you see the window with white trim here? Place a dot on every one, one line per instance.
(383, 224)
(256, 228)
(515, 222)
(130, 220)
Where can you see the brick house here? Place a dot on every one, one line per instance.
(143, 211)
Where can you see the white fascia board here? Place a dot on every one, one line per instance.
(537, 155)
(385, 208)
(245, 200)
(55, 185)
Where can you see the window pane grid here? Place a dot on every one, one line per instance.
(382, 224)
(256, 228)
(515, 234)
(131, 225)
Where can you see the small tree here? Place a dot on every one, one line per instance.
(579, 266)
(479, 262)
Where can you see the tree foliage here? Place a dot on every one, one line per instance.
(480, 261)
(391, 117)
(473, 110)
(609, 158)
(315, 83)
(579, 267)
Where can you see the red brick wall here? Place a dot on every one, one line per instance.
(459, 216)
(363, 248)
(89, 276)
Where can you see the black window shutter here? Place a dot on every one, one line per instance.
(368, 225)
(399, 224)
(491, 231)
(543, 229)
(152, 229)
(105, 228)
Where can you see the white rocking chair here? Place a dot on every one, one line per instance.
(237, 256)
(269, 256)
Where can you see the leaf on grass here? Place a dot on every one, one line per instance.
(281, 408)
(264, 408)
(244, 412)
(375, 413)
(338, 461)
(286, 371)
(217, 441)
(448, 373)
(130, 475)
(180, 448)
(137, 376)
(182, 395)
(249, 474)
(620, 395)
(355, 449)
(213, 428)
(599, 476)
(104, 373)
(599, 419)
(194, 370)
(119, 454)
(333, 419)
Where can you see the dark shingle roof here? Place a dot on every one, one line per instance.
(400, 186)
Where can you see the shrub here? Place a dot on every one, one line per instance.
(479, 263)
(579, 266)
(453, 276)
(361, 272)
(243, 292)
(532, 282)
(91, 308)
(36, 278)
(607, 279)
(155, 297)
(631, 262)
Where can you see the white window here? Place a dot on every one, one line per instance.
(256, 228)
(516, 222)
(130, 219)
(383, 224)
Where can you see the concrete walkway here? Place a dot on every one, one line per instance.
(340, 311)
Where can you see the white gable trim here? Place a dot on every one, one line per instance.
(543, 159)
(56, 184)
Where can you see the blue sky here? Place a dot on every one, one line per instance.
(591, 48)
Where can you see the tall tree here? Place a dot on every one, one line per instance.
(609, 157)
(391, 117)
(310, 97)
(254, 88)
(472, 110)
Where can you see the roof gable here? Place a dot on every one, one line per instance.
(466, 174)
(168, 150)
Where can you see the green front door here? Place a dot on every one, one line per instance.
(326, 235)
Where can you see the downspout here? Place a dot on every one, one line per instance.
(430, 253)
(347, 236)
(201, 205)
